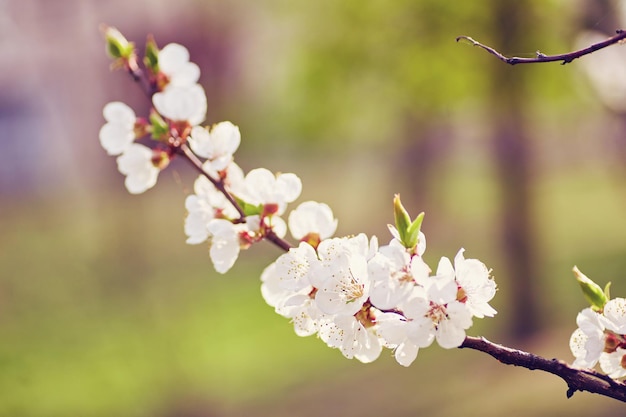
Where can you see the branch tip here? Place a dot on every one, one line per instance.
(619, 36)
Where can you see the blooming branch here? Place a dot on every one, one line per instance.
(354, 294)
(540, 57)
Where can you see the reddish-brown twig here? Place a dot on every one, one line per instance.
(540, 58)
(576, 379)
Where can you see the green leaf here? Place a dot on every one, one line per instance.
(249, 209)
(160, 129)
(151, 58)
(594, 294)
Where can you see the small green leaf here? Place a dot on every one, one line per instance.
(249, 209)
(414, 230)
(592, 291)
(151, 59)
(607, 290)
(160, 128)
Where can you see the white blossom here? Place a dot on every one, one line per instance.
(613, 363)
(119, 131)
(615, 314)
(448, 317)
(217, 146)
(587, 342)
(174, 63)
(476, 287)
(406, 335)
(225, 244)
(341, 276)
(202, 207)
(312, 217)
(182, 103)
(394, 272)
(285, 286)
(262, 187)
(352, 337)
(293, 268)
(137, 164)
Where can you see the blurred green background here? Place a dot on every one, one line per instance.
(104, 311)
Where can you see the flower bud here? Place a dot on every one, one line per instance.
(151, 58)
(592, 291)
(160, 159)
(117, 46)
(407, 229)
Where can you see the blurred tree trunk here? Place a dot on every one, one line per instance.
(512, 152)
(425, 143)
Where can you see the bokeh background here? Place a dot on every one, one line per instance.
(104, 311)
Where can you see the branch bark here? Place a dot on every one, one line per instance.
(576, 379)
(540, 58)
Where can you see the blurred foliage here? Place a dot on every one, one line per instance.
(358, 71)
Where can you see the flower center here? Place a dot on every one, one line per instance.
(351, 288)
(437, 313)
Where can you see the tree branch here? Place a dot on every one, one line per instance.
(576, 379)
(564, 58)
(197, 164)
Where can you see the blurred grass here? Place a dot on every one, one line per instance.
(106, 311)
(89, 333)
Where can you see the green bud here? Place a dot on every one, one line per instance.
(403, 220)
(160, 129)
(407, 229)
(151, 59)
(592, 291)
(117, 46)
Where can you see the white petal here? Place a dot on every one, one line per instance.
(224, 245)
(611, 363)
(449, 335)
(312, 217)
(200, 142)
(115, 138)
(226, 137)
(290, 185)
(172, 57)
(119, 113)
(174, 62)
(182, 103)
(445, 268)
(615, 312)
(406, 353)
(369, 346)
(136, 164)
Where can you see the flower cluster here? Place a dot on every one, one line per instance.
(359, 297)
(228, 209)
(179, 104)
(601, 333)
(355, 295)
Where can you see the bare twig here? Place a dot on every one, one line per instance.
(563, 58)
(576, 379)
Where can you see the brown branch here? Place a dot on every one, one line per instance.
(197, 164)
(576, 379)
(564, 58)
(278, 241)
